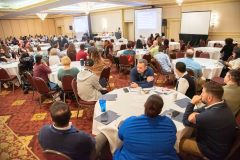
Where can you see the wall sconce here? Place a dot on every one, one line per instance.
(214, 19)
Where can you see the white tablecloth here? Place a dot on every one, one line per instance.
(210, 67)
(53, 76)
(139, 53)
(132, 104)
(211, 43)
(214, 52)
(174, 45)
(11, 68)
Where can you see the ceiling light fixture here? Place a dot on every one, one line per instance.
(42, 16)
(179, 2)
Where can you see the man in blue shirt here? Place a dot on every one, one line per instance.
(142, 75)
(63, 137)
(164, 61)
(191, 64)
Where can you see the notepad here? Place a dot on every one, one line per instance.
(109, 97)
(111, 116)
(182, 102)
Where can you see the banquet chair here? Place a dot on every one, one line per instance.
(197, 54)
(180, 54)
(168, 76)
(55, 155)
(80, 102)
(234, 152)
(43, 89)
(66, 85)
(31, 81)
(218, 80)
(3, 60)
(105, 74)
(124, 62)
(204, 55)
(148, 57)
(123, 46)
(6, 78)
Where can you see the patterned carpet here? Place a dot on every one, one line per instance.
(21, 119)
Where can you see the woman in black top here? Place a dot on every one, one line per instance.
(227, 49)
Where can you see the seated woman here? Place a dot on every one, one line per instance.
(99, 62)
(67, 69)
(149, 136)
(53, 58)
(232, 64)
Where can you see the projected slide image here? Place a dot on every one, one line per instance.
(147, 20)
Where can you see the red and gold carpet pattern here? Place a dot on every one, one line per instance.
(21, 119)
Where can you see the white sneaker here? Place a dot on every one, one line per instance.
(5, 85)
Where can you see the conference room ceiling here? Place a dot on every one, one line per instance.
(16, 8)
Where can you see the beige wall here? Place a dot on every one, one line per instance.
(228, 25)
(20, 27)
(64, 23)
(108, 21)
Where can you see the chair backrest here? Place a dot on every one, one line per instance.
(234, 152)
(148, 57)
(55, 155)
(123, 46)
(3, 60)
(4, 74)
(198, 52)
(180, 55)
(74, 88)
(30, 79)
(123, 60)
(156, 66)
(204, 55)
(190, 72)
(105, 73)
(66, 83)
(41, 85)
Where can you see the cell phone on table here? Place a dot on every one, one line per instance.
(104, 117)
(125, 90)
(175, 114)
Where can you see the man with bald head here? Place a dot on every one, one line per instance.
(194, 66)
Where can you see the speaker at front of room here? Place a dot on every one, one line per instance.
(164, 22)
(70, 28)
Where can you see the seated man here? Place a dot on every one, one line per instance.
(142, 75)
(185, 84)
(62, 136)
(214, 124)
(195, 67)
(163, 60)
(231, 90)
(191, 64)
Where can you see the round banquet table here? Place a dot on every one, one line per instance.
(210, 68)
(53, 76)
(132, 104)
(211, 43)
(214, 52)
(174, 45)
(139, 53)
(11, 68)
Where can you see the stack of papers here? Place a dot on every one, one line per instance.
(109, 97)
(109, 116)
(182, 102)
